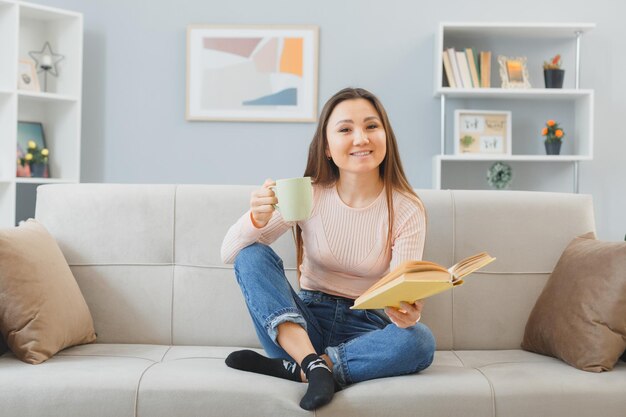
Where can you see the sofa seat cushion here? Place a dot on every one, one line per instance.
(156, 380)
(198, 378)
(91, 380)
(528, 384)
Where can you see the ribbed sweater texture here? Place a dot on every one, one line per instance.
(344, 248)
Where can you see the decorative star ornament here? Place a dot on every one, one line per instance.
(46, 59)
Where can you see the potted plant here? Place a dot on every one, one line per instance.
(552, 73)
(37, 160)
(554, 137)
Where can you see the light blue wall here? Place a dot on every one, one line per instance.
(134, 87)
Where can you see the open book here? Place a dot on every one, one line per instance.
(415, 280)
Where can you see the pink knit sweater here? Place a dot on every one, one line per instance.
(344, 247)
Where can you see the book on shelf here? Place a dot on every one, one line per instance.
(447, 66)
(416, 280)
(455, 67)
(469, 53)
(466, 78)
(477, 61)
(485, 69)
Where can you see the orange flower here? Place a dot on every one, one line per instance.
(558, 133)
(551, 123)
(544, 131)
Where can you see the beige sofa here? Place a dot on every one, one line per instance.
(167, 313)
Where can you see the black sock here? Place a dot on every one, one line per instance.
(321, 383)
(249, 360)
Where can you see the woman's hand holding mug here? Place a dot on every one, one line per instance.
(296, 200)
(262, 201)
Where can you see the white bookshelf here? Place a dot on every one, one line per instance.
(509, 93)
(572, 106)
(537, 158)
(26, 27)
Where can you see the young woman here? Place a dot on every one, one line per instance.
(366, 219)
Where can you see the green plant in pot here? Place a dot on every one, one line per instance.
(554, 137)
(36, 158)
(552, 73)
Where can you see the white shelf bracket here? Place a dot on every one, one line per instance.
(577, 75)
(576, 189)
(443, 125)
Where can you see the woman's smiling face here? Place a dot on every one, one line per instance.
(357, 141)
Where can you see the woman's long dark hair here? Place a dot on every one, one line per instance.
(323, 171)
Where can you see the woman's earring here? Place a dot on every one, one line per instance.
(329, 157)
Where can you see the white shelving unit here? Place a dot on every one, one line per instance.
(572, 106)
(26, 27)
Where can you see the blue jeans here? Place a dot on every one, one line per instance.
(362, 344)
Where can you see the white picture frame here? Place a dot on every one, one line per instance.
(27, 78)
(514, 72)
(482, 132)
(252, 73)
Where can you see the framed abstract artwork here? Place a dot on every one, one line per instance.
(252, 73)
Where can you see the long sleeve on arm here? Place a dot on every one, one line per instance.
(243, 233)
(410, 236)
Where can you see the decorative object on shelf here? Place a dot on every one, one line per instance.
(499, 175)
(482, 132)
(466, 142)
(552, 73)
(27, 76)
(46, 60)
(23, 169)
(32, 153)
(461, 68)
(554, 137)
(252, 73)
(514, 72)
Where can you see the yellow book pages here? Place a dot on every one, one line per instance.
(404, 288)
(406, 267)
(415, 280)
(471, 264)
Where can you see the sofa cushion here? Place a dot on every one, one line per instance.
(528, 387)
(197, 377)
(580, 316)
(41, 307)
(159, 380)
(92, 380)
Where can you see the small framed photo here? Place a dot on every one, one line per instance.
(513, 72)
(27, 78)
(482, 132)
(255, 73)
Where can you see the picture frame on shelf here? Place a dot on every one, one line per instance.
(27, 132)
(482, 132)
(514, 72)
(27, 78)
(255, 73)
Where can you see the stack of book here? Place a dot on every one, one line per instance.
(464, 69)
